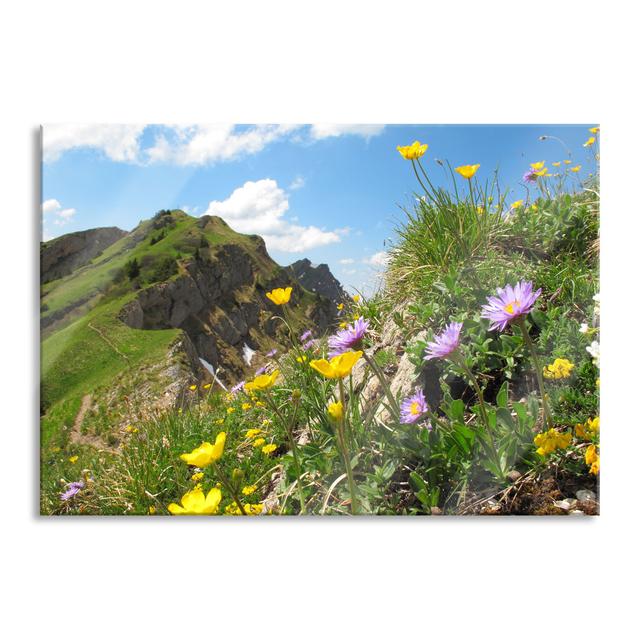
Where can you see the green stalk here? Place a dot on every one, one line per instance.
(536, 363)
(376, 369)
(345, 454)
(229, 488)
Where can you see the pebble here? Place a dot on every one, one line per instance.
(566, 504)
(576, 512)
(514, 475)
(584, 495)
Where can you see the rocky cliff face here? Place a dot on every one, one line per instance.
(219, 301)
(59, 257)
(317, 278)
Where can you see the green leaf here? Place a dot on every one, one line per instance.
(503, 395)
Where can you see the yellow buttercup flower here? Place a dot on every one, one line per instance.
(413, 151)
(556, 164)
(249, 509)
(356, 298)
(220, 421)
(567, 161)
(194, 503)
(536, 166)
(263, 382)
(73, 459)
(343, 325)
(594, 130)
(207, 386)
(517, 204)
(551, 440)
(301, 359)
(561, 368)
(541, 172)
(259, 403)
(576, 168)
(269, 448)
(252, 433)
(193, 387)
(480, 209)
(280, 296)
(246, 406)
(152, 510)
(589, 142)
(335, 410)
(230, 409)
(534, 207)
(468, 170)
(338, 366)
(589, 429)
(258, 442)
(247, 491)
(340, 306)
(206, 453)
(196, 477)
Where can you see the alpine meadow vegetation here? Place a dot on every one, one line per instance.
(497, 306)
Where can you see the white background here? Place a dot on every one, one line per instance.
(318, 62)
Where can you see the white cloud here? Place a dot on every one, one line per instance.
(119, 142)
(297, 183)
(346, 261)
(379, 259)
(53, 210)
(320, 131)
(260, 207)
(190, 210)
(203, 144)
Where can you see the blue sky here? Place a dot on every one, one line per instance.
(327, 192)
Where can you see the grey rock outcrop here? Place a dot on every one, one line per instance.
(317, 278)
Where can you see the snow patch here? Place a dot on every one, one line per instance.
(247, 353)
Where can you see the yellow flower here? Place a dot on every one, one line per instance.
(152, 510)
(594, 130)
(266, 421)
(247, 491)
(259, 403)
(468, 170)
(589, 142)
(193, 387)
(301, 359)
(263, 382)
(592, 458)
(561, 368)
(195, 504)
(220, 421)
(258, 442)
(536, 166)
(556, 164)
(551, 440)
(356, 299)
(206, 453)
(589, 429)
(207, 386)
(343, 325)
(196, 477)
(252, 433)
(534, 207)
(338, 366)
(73, 459)
(250, 509)
(567, 161)
(335, 410)
(269, 448)
(131, 429)
(413, 151)
(517, 204)
(480, 209)
(230, 409)
(542, 172)
(340, 306)
(246, 406)
(576, 168)
(280, 296)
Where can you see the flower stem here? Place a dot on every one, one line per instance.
(536, 363)
(229, 488)
(378, 372)
(344, 450)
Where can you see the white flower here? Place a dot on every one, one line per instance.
(594, 350)
(584, 328)
(596, 308)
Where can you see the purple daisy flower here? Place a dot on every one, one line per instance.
(348, 338)
(530, 177)
(306, 335)
(237, 387)
(413, 408)
(261, 370)
(509, 304)
(445, 343)
(309, 345)
(272, 353)
(72, 489)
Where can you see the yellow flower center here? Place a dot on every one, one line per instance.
(415, 408)
(509, 308)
